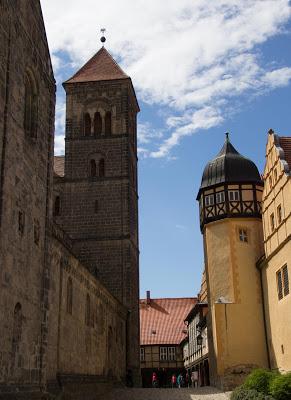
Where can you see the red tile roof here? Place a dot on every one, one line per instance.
(101, 67)
(59, 165)
(162, 321)
(285, 143)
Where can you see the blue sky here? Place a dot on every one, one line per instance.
(200, 69)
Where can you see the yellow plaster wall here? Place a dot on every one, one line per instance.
(277, 192)
(238, 328)
(278, 312)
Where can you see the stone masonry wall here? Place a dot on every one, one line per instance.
(24, 194)
(101, 213)
(82, 341)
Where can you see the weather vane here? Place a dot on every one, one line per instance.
(103, 38)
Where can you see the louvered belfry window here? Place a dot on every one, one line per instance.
(282, 282)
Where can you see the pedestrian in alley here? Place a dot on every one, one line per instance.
(194, 379)
(174, 381)
(180, 381)
(155, 380)
(187, 379)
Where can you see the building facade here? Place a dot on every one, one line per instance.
(276, 262)
(230, 199)
(195, 345)
(162, 331)
(69, 306)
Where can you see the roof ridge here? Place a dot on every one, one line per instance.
(170, 298)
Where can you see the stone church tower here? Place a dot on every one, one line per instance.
(230, 218)
(96, 201)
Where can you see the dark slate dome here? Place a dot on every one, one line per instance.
(229, 166)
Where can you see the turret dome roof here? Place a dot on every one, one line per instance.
(229, 166)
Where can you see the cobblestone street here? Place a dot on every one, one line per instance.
(206, 393)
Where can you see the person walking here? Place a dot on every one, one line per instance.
(180, 380)
(187, 380)
(174, 381)
(194, 379)
(154, 380)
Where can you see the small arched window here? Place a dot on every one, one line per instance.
(88, 311)
(101, 167)
(93, 168)
(97, 124)
(87, 124)
(57, 206)
(69, 296)
(108, 128)
(17, 328)
(30, 107)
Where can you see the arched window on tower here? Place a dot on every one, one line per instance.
(69, 296)
(16, 334)
(108, 128)
(101, 168)
(93, 168)
(30, 107)
(88, 311)
(57, 206)
(87, 124)
(97, 124)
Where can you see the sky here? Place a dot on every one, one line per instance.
(200, 68)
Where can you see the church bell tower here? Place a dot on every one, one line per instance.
(98, 200)
(230, 219)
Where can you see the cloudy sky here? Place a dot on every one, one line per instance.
(199, 68)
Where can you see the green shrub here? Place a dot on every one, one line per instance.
(241, 393)
(260, 380)
(280, 387)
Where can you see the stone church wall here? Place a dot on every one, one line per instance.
(84, 339)
(25, 176)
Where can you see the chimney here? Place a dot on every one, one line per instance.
(148, 297)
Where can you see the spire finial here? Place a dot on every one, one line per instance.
(227, 136)
(103, 38)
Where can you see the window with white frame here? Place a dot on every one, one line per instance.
(220, 198)
(142, 354)
(171, 353)
(233, 195)
(163, 353)
(209, 200)
(282, 282)
(243, 235)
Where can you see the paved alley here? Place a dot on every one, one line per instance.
(206, 393)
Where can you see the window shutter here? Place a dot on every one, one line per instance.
(279, 283)
(285, 280)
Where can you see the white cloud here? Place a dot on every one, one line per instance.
(59, 145)
(191, 57)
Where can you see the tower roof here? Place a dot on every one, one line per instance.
(101, 67)
(229, 166)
